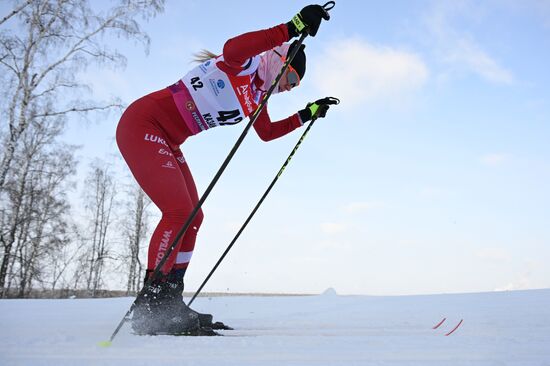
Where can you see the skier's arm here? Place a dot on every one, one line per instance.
(238, 50)
(268, 130)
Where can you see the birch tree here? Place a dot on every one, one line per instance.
(44, 44)
(36, 212)
(100, 193)
(136, 226)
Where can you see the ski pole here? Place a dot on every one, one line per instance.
(335, 101)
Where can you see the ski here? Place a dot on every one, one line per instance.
(201, 332)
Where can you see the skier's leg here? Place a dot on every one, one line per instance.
(188, 244)
(188, 241)
(144, 147)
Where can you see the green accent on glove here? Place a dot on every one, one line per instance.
(298, 23)
(313, 109)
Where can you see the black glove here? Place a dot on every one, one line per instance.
(307, 20)
(317, 109)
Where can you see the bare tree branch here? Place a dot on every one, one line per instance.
(79, 110)
(60, 37)
(15, 11)
(74, 49)
(54, 87)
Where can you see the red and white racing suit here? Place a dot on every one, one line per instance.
(222, 91)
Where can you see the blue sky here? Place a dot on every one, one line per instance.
(431, 176)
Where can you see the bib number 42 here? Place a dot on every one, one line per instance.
(196, 83)
(229, 117)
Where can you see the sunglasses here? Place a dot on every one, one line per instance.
(292, 75)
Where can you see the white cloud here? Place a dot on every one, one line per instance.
(333, 227)
(494, 159)
(456, 47)
(357, 71)
(471, 55)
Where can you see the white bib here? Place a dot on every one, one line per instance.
(207, 97)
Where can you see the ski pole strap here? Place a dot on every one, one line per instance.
(329, 5)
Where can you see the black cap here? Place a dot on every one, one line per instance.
(299, 61)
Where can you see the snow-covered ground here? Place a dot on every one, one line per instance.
(500, 328)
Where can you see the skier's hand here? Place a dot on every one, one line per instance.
(307, 20)
(317, 109)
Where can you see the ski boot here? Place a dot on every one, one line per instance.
(158, 312)
(175, 280)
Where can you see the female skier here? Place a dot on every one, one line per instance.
(221, 91)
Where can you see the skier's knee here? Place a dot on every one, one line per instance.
(180, 217)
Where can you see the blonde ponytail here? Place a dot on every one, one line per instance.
(203, 56)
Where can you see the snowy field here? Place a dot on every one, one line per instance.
(500, 328)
